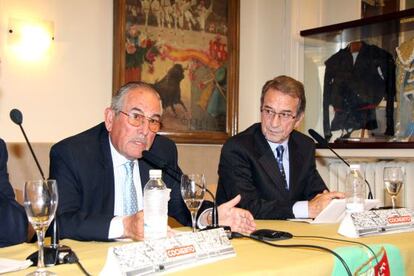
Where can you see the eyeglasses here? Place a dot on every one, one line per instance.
(137, 120)
(283, 116)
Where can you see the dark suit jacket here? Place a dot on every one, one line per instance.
(248, 167)
(13, 220)
(82, 166)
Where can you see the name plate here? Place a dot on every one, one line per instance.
(159, 255)
(377, 222)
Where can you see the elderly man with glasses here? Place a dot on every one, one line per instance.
(91, 169)
(271, 165)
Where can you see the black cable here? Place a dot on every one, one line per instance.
(83, 269)
(71, 258)
(238, 235)
(341, 240)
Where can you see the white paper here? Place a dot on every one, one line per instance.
(10, 265)
(335, 211)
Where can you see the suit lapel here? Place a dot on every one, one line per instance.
(145, 167)
(144, 172)
(108, 170)
(268, 161)
(294, 162)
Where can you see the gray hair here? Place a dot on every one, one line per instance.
(288, 86)
(117, 101)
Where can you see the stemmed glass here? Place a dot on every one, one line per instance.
(193, 187)
(393, 181)
(40, 203)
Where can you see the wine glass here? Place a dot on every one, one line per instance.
(40, 203)
(393, 181)
(193, 187)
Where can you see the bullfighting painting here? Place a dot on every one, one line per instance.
(182, 48)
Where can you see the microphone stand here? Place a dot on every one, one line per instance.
(215, 220)
(53, 253)
(31, 150)
(325, 144)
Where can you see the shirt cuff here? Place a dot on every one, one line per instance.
(300, 209)
(202, 221)
(116, 228)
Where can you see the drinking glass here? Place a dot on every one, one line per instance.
(393, 181)
(40, 202)
(193, 187)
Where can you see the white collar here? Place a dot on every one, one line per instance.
(273, 146)
(117, 158)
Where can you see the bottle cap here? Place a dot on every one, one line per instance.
(155, 173)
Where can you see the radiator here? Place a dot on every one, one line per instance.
(373, 172)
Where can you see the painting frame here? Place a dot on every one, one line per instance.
(198, 136)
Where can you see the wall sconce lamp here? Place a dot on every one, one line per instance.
(30, 40)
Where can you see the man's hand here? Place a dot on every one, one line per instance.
(238, 219)
(320, 201)
(134, 226)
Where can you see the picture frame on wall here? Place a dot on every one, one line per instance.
(189, 51)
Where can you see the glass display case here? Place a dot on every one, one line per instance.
(359, 81)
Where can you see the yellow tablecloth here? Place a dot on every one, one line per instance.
(252, 258)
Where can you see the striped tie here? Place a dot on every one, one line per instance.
(129, 192)
(279, 157)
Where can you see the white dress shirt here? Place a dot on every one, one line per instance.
(116, 228)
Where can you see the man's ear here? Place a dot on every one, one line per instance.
(109, 118)
(299, 119)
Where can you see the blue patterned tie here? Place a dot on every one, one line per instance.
(279, 157)
(129, 192)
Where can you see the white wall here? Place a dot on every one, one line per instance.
(338, 11)
(262, 56)
(271, 45)
(67, 92)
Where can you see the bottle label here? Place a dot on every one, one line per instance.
(156, 213)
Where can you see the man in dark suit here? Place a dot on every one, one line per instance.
(271, 165)
(89, 168)
(13, 226)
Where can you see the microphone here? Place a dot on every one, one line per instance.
(176, 174)
(325, 144)
(17, 117)
(53, 254)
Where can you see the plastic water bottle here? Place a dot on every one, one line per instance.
(156, 197)
(355, 190)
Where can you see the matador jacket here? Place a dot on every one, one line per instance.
(354, 89)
